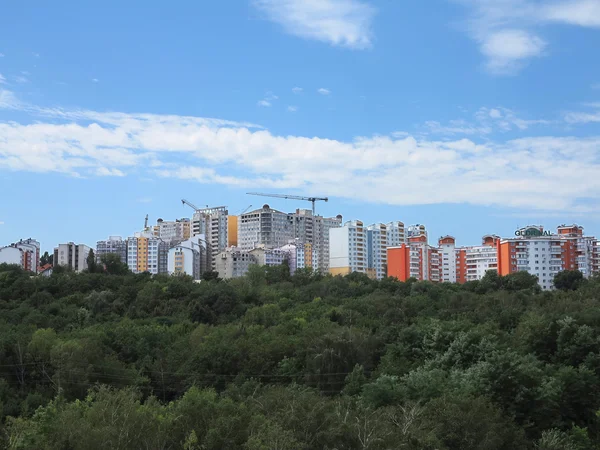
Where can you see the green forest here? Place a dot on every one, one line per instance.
(112, 360)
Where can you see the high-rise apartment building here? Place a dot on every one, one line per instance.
(416, 230)
(314, 230)
(212, 223)
(173, 231)
(71, 255)
(115, 245)
(321, 246)
(265, 226)
(147, 253)
(447, 251)
(25, 253)
(396, 234)
(348, 248)
(376, 240)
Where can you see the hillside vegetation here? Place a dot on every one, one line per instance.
(272, 362)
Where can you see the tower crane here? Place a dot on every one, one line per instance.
(191, 205)
(146, 223)
(245, 210)
(207, 210)
(293, 197)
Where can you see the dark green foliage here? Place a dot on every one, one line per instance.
(109, 359)
(111, 264)
(568, 280)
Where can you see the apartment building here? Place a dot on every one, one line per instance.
(25, 253)
(417, 259)
(396, 234)
(376, 240)
(264, 256)
(473, 262)
(234, 262)
(147, 253)
(188, 257)
(213, 224)
(173, 231)
(314, 230)
(448, 251)
(416, 230)
(115, 245)
(265, 226)
(348, 248)
(544, 254)
(71, 255)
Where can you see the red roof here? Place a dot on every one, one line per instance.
(44, 267)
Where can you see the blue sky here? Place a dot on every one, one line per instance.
(470, 116)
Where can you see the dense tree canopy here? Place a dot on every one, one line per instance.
(112, 360)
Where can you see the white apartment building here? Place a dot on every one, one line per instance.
(115, 245)
(447, 252)
(348, 248)
(416, 230)
(71, 255)
(188, 258)
(396, 234)
(376, 240)
(473, 262)
(12, 255)
(25, 253)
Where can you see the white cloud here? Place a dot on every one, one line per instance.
(495, 114)
(485, 121)
(268, 100)
(580, 117)
(323, 91)
(584, 13)
(292, 108)
(297, 90)
(596, 86)
(1, 223)
(106, 172)
(344, 23)
(95, 80)
(1, 55)
(506, 50)
(35, 55)
(2, 79)
(507, 31)
(521, 173)
(583, 117)
(21, 79)
(8, 100)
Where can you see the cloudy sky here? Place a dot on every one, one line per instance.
(470, 116)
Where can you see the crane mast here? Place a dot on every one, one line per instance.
(293, 197)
